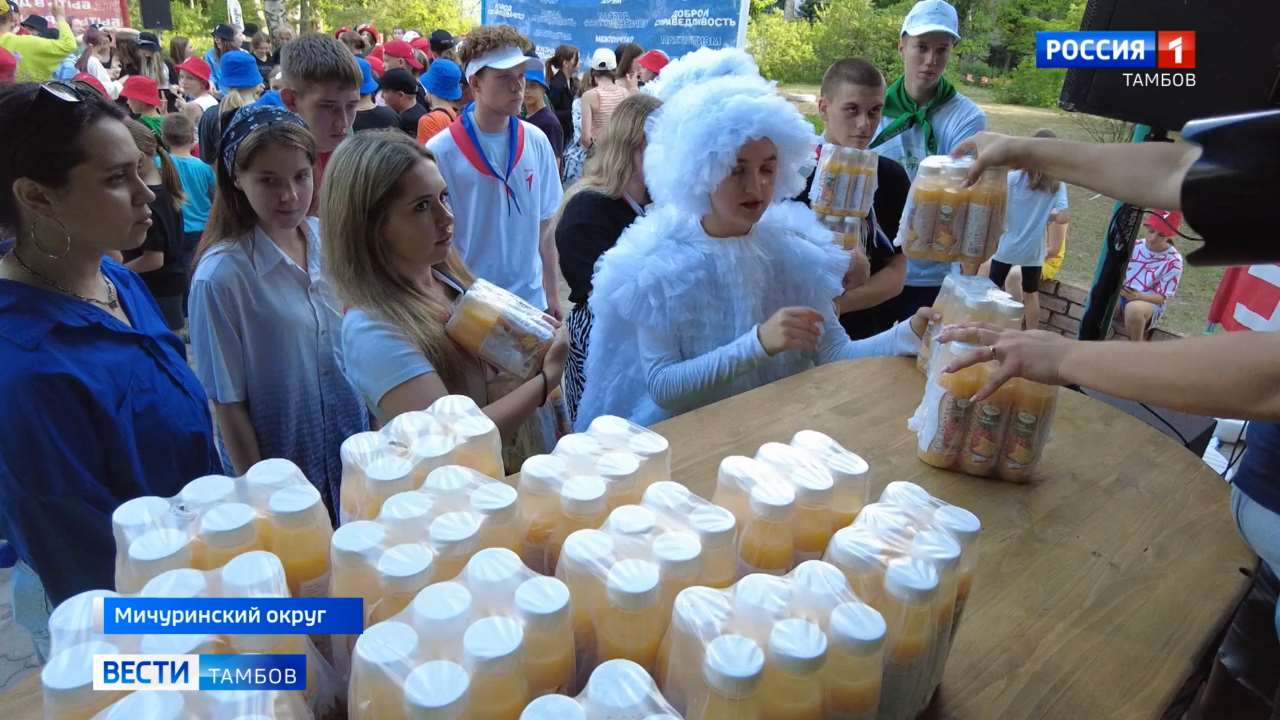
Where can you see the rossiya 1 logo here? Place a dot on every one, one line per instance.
(1153, 58)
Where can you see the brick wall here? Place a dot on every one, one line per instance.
(1062, 306)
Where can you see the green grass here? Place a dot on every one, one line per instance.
(1090, 213)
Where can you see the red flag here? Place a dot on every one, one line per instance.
(1248, 298)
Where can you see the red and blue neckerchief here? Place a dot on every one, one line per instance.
(463, 131)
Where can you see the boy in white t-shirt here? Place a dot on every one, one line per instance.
(504, 182)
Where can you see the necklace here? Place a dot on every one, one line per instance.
(111, 303)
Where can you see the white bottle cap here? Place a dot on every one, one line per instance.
(455, 532)
(578, 445)
(155, 705)
(961, 523)
(772, 501)
(495, 573)
(740, 472)
(496, 501)
(543, 603)
(611, 429)
(844, 465)
(733, 665)
(207, 490)
(405, 568)
(588, 549)
(296, 506)
(543, 474)
(631, 520)
(406, 428)
(133, 517)
(911, 580)
(389, 474)
(386, 643)
(856, 629)
(180, 645)
(78, 615)
(620, 433)
(257, 573)
(436, 690)
(667, 496)
(434, 449)
(359, 448)
(858, 549)
(493, 643)
(228, 525)
(905, 494)
(69, 673)
(554, 707)
(159, 550)
(820, 578)
(618, 686)
(454, 478)
(884, 518)
(649, 445)
(633, 585)
(455, 407)
(797, 646)
(812, 482)
(679, 554)
(356, 541)
(715, 525)
(621, 471)
(443, 609)
(701, 611)
(582, 496)
(938, 547)
(180, 583)
(762, 597)
(267, 476)
(406, 513)
(468, 429)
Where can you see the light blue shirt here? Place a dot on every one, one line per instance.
(264, 332)
(198, 181)
(1027, 214)
(953, 123)
(377, 357)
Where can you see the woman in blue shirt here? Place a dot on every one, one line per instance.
(100, 405)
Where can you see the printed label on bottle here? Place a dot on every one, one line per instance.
(952, 410)
(825, 190)
(513, 344)
(1020, 452)
(316, 587)
(975, 230)
(984, 440)
(922, 223)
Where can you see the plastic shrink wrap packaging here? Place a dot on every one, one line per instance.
(843, 188)
(945, 221)
(501, 329)
(966, 299)
(617, 690)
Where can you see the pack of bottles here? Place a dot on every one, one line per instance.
(947, 222)
(912, 557)
(845, 182)
(618, 690)
(585, 477)
(625, 576)
(481, 645)
(377, 465)
(215, 518)
(422, 536)
(965, 299)
(76, 634)
(500, 328)
(1002, 436)
(799, 646)
(789, 499)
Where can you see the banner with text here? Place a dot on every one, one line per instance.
(676, 27)
(80, 13)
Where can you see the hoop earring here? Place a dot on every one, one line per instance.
(66, 236)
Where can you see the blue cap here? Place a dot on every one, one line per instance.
(368, 83)
(443, 79)
(239, 70)
(537, 76)
(271, 97)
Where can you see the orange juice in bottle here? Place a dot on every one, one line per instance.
(631, 624)
(496, 503)
(493, 647)
(437, 690)
(758, 601)
(384, 656)
(981, 215)
(716, 528)
(226, 531)
(404, 515)
(584, 562)
(999, 205)
(582, 506)
(697, 614)
(944, 446)
(731, 669)
(941, 549)
(861, 554)
(543, 606)
(953, 208)
(67, 682)
(403, 570)
(988, 420)
(817, 588)
(385, 476)
(356, 452)
(493, 574)
(129, 521)
(965, 527)
(540, 479)
(910, 589)
(254, 574)
(155, 552)
(207, 491)
(1029, 417)
(767, 543)
(827, 182)
(813, 522)
(455, 538)
(848, 471)
(852, 675)
(265, 477)
(300, 537)
(352, 561)
(441, 614)
(619, 689)
(736, 476)
(926, 196)
(679, 557)
(621, 473)
(791, 688)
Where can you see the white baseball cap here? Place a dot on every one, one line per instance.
(604, 59)
(929, 16)
(503, 58)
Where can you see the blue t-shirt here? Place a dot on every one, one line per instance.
(377, 357)
(198, 182)
(1258, 476)
(1026, 215)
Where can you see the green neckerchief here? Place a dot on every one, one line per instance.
(906, 113)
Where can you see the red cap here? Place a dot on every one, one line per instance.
(337, 34)
(403, 50)
(421, 43)
(142, 89)
(8, 66)
(93, 82)
(197, 67)
(653, 61)
(1165, 222)
(376, 65)
(376, 52)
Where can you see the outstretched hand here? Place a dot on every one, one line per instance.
(1031, 354)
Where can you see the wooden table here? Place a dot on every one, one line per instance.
(1098, 585)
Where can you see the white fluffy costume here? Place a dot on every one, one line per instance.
(676, 310)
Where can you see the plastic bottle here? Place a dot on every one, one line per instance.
(698, 614)
(827, 182)
(265, 477)
(952, 210)
(257, 574)
(926, 195)
(383, 657)
(441, 613)
(554, 707)
(619, 689)
(860, 553)
(300, 537)
(403, 570)
(910, 589)
(1029, 415)
(983, 198)
(859, 180)
(790, 688)
(653, 450)
(455, 538)
(584, 561)
(180, 583)
(18, 656)
(988, 421)
(940, 548)
(356, 452)
(758, 601)
(77, 617)
(353, 560)
(679, 557)
(67, 681)
(734, 480)
(716, 528)
(1000, 201)
(621, 473)
(944, 447)
(543, 606)
(632, 520)
(479, 446)
(582, 506)
(499, 690)
(965, 527)
(766, 544)
(205, 492)
(848, 470)
(732, 669)
(817, 588)
(226, 530)
(406, 514)
(155, 552)
(496, 503)
(436, 690)
(385, 476)
(851, 677)
(493, 575)
(540, 479)
(129, 521)
(631, 626)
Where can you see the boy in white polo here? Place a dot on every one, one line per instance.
(503, 180)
